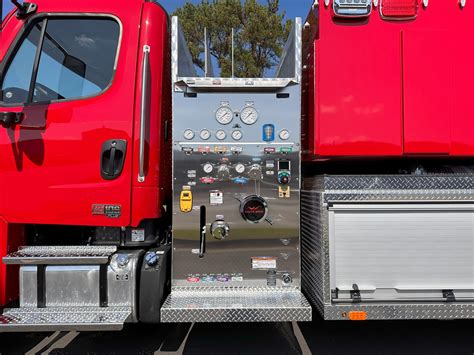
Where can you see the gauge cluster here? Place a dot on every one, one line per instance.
(232, 125)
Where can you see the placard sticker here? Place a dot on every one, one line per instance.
(216, 198)
(138, 235)
(264, 263)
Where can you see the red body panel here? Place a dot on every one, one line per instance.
(50, 166)
(380, 88)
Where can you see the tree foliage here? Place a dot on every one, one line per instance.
(260, 34)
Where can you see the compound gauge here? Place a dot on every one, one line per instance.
(249, 115)
(224, 115)
(205, 134)
(237, 135)
(284, 134)
(220, 135)
(208, 168)
(188, 134)
(240, 168)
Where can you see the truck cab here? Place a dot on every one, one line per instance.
(84, 158)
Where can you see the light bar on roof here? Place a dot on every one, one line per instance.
(352, 8)
(399, 9)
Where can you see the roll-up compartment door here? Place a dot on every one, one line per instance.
(402, 251)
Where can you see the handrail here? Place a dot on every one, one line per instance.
(143, 111)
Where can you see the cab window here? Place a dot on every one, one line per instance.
(62, 59)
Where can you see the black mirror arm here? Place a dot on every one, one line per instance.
(8, 119)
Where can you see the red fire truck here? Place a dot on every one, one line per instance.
(133, 190)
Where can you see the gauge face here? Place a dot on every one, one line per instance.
(188, 134)
(284, 134)
(205, 134)
(220, 135)
(207, 168)
(224, 115)
(237, 135)
(249, 115)
(240, 168)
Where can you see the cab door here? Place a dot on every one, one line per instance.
(66, 102)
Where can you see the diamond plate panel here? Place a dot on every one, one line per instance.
(63, 318)
(402, 311)
(319, 191)
(60, 255)
(235, 305)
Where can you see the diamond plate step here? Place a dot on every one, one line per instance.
(235, 305)
(27, 319)
(60, 255)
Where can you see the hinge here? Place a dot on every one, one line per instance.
(376, 3)
(326, 3)
(425, 3)
(355, 294)
(335, 294)
(462, 3)
(449, 295)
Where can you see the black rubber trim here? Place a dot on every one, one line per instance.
(41, 286)
(103, 290)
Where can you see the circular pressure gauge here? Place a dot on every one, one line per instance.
(208, 168)
(220, 135)
(224, 115)
(205, 134)
(237, 135)
(240, 168)
(249, 115)
(284, 134)
(188, 134)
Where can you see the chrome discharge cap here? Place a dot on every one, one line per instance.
(151, 259)
(220, 229)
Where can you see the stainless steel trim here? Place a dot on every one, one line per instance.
(143, 111)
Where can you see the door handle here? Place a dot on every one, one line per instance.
(112, 158)
(8, 119)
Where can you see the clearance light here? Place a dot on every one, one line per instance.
(357, 315)
(352, 8)
(399, 9)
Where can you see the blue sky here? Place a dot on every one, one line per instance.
(293, 8)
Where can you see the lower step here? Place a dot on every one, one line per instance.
(63, 319)
(235, 305)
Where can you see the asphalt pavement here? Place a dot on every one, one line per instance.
(317, 337)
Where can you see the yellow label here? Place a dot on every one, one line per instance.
(186, 200)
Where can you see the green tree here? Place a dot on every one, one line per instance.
(260, 34)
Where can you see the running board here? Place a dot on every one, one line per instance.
(235, 305)
(28, 319)
(60, 255)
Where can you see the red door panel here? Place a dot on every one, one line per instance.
(428, 89)
(52, 162)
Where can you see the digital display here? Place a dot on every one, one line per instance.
(283, 165)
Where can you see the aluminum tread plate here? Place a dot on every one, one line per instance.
(54, 255)
(445, 311)
(235, 305)
(26, 319)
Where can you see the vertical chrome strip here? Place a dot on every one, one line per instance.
(143, 111)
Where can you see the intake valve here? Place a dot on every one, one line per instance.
(220, 229)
